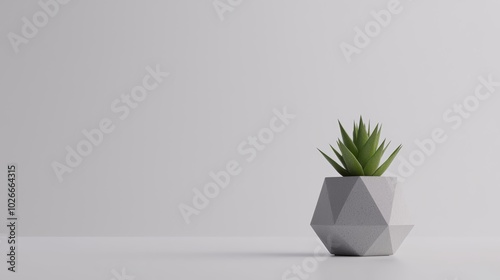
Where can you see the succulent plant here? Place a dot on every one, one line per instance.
(361, 154)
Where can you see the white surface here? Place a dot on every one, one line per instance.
(248, 258)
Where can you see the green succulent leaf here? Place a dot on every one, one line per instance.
(370, 147)
(339, 156)
(362, 135)
(353, 166)
(373, 163)
(388, 162)
(355, 133)
(348, 141)
(335, 165)
(378, 136)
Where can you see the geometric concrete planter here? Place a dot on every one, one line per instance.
(361, 216)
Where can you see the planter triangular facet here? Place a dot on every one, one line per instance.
(361, 216)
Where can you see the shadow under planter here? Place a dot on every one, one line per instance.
(361, 216)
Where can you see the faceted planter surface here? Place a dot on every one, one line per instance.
(361, 216)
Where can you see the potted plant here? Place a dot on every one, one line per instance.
(361, 213)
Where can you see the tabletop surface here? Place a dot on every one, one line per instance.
(150, 258)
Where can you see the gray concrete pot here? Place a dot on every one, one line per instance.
(361, 216)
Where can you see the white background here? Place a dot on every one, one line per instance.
(226, 77)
